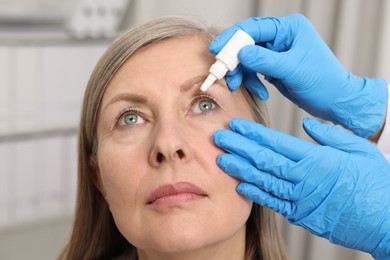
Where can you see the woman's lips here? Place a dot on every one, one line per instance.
(171, 194)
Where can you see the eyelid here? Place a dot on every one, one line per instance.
(204, 96)
(122, 112)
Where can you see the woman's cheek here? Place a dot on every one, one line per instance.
(209, 123)
(117, 163)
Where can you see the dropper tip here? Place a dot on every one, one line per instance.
(208, 82)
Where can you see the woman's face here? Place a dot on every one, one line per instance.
(156, 158)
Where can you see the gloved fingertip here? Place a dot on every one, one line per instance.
(310, 124)
(324, 134)
(234, 123)
(217, 137)
(240, 125)
(214, 46)
(220, 160)
(224, 163)
(307, 121)
(241, 189)
(233, 82)
(248, 190)
(255, 90)
(253, 83)
(265, 95)
(262, 93)
(234, 78)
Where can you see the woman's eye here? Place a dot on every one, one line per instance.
(203, 105)
(130, 118)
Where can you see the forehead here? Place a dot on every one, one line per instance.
(171, 60)
(177, 51)
(193, 44)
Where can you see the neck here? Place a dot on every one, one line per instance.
(232, 248)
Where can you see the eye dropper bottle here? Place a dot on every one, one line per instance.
(227, 58)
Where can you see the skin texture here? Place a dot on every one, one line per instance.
(170, 143)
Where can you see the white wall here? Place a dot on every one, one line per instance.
(41, 90)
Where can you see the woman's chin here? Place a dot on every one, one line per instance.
(173, 245)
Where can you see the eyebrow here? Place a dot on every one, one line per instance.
(139, 99)
(131, 98)
(192, 83)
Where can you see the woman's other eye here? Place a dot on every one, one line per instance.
(203, 104)
(129, 117)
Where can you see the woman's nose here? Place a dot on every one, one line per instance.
(170, 144)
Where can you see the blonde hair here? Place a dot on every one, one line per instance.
(94, 234)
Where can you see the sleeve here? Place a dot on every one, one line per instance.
(384, 140)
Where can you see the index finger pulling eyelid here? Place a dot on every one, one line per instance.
(284, 144)
(262, 158)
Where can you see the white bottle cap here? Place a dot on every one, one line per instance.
(208, 82)
(227, 58)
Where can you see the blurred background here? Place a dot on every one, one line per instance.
(48, 49)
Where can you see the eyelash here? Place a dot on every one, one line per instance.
(125, 111)
(193, 102)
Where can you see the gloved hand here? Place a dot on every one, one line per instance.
(295, 59)
(338, 189)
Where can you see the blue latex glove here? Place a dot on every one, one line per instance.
(295, 59)
(338, 189)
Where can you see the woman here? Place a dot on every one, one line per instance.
(149, 187)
